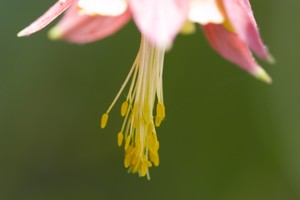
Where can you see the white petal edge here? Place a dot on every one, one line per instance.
(102, 7)
(205, 11)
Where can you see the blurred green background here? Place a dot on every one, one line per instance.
(227, 136)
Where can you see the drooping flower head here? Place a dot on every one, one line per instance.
(229, 26)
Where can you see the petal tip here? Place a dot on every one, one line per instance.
(262, 75)
(54, 33)
(22, 33)
(188, 28)
(271, 59)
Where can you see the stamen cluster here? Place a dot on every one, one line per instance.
(138, 130)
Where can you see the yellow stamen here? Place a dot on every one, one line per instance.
(158, 121)
(120, 138)
(124, 108)
(154, 158)
(127, 142)
(138, 131)
(160, 110)
(104, 119)
(128, 156)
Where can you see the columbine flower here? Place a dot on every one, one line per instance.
(229, 26)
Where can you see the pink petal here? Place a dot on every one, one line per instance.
(78, 28)
(229, 45)
(242, 19)
(159, 20)
(53, 12)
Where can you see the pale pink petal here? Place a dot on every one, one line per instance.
(80, 29)
(58, 8)
(103, 7)
(229, 45)
(159, 20)
(242, 19)
(205, 11)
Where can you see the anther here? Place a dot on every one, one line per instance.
(160, 110)
(157, 121)
(124, 108)
(120, 138)
(104, 119)
(127, 142)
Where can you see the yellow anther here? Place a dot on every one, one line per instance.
(134, 160)
(160, 110)
(134, 110)
(151, 141)
(157, 121)
(156, 146)
(136, 164)
(153, 145)
(127, 161)
(120, 138)
(129, 150)
(124, 108)
(150, 128)
(155, 136)
(137, 147)
(188, 28)
(149, 164)
(143, 169)
(104, 119)
(154, 158)
(128, 156)
(134, 121)
(127, 142)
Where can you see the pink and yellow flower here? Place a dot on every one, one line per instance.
(229, 26)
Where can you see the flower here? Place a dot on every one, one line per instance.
(144, 12)
(229, 26)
